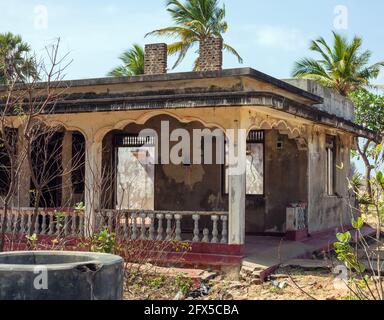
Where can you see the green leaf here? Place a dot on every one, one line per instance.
(357, 224)
(380, 177)
(344, 237)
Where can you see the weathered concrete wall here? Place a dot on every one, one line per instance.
(179, 187)
(285, 183)
(325, 211)
(200, 187)
(334, 103)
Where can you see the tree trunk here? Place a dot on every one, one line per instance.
(367, 164)
(3, 227)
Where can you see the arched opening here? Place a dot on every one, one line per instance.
(58, 162)
(146, 176)
(174, 183)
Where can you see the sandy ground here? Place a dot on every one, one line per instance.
(286, 284)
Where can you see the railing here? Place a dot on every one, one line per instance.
(167, 225)
(206, 227)
(50, 222)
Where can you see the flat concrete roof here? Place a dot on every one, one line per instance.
(161, 100)
(245, 72)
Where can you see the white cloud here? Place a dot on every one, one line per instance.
(277, 37)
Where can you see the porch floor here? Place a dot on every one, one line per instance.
(267, 253)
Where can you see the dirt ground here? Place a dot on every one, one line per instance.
(286, 284)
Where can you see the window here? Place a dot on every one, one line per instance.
(331, 165)
(254, 164)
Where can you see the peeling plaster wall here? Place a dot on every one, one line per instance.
(327, 212)
(287, 179)
(285, 182)
(179, 187)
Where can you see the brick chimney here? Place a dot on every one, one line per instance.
(155, 59)
(211, 54)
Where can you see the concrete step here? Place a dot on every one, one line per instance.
(251, 271)
(308, 264)
(251, 265)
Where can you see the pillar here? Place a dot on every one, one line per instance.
(93, 181)
(237, 173)
(24, 177)
(66, 160)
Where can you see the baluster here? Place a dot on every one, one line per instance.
(17, 227)
(44, 223)
(2, 217)
(151, 236)
(59, 225)
(126, 224)
(81, 224)
(110, 220)
(37, 224)
(215, 231)
(74, 223)
(29, 222)
(51, 230)
(160, 228)
(22, 223)
(168, 231)
(178, 218)
(143, 227)
(9, 222)
(205, 235)
(14, 222)
(134, 226)
(196, 231)
(224, 230)
(66, 224)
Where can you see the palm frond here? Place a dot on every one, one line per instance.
(342, 67)
(133, 62)
(233, 51)
(195, 20)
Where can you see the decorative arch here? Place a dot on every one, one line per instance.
(54, 123)
(284, 127)
(142, 119)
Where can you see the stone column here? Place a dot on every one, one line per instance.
(24, 178)
(237, 167)
(93, 182)
(66, 161)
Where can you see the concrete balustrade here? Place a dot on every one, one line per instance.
(130, 224)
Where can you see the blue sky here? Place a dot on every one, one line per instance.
(270, 35)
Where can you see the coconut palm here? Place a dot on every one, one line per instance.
(195, 21)
(133, 63)
(343, 67)
(15, 62)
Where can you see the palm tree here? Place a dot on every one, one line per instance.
(15, 64)
(195, 21)
(342, 67)
(133, 63)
